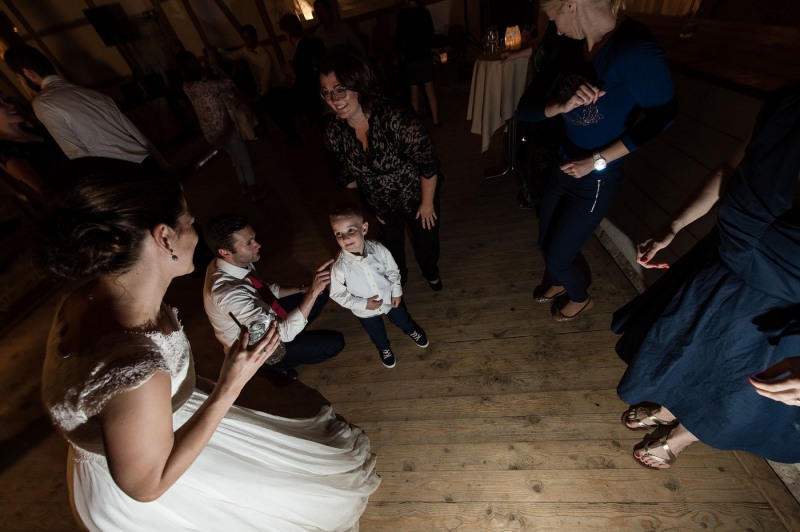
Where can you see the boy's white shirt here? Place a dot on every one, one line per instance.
(356, 279)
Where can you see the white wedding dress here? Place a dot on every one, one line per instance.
(258, 472)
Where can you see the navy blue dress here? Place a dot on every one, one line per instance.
(730, 308)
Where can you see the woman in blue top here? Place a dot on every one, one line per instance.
(609, 70)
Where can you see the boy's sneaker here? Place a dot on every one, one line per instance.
(418, 335)
(387, 357)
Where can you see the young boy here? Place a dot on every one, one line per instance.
(366, 279)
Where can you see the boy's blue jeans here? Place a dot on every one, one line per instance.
(377, 331)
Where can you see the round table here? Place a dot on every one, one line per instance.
(496, 89)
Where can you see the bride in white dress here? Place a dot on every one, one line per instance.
(148, 450)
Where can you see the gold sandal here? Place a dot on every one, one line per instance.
(649, 415)
(647, 446)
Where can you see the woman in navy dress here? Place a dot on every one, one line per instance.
(713, 347)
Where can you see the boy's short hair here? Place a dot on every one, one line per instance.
(219, 231)
(347, 210)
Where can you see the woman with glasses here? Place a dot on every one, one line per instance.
(385, 151)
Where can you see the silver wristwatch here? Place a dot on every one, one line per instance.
(599, 161)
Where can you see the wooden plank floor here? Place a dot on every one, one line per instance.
(508, 421)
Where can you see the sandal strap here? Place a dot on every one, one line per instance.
(668, 461)
(649, 415)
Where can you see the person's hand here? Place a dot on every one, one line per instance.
(396, 301)
(373, 303)
(380, 220)
(585, 94)
(645, 251)
(351, 184)
(427, 214)
(242, 362)
(784, 382)
(322, 278)
(578, 169)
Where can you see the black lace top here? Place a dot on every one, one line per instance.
(400, 153)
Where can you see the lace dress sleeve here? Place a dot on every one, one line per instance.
(77, 386)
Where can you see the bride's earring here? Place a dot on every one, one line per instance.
(174, 256)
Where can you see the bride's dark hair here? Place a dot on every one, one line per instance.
(102, 214)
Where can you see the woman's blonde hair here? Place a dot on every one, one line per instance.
(615, 5)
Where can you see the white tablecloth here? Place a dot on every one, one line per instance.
(496, 88)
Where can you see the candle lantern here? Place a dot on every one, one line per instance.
(513, 39)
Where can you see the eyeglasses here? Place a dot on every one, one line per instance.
(336, 94)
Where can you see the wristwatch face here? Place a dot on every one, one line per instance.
(599, 162)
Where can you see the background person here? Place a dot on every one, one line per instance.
(334, 33)
(304, 64)
(83, 122)
(272, 92)
(207, 97)
(414, 42)
(28, 153)
(147, 449)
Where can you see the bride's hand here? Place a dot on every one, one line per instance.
(242, 362)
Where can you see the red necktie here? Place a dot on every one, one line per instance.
(267, 295)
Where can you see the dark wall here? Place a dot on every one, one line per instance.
(770, 13)
(503, 13)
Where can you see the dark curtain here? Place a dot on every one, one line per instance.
(504, 13)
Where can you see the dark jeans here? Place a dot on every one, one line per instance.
(309, 347)
(571, 209)
(424, 241)
(377, 331)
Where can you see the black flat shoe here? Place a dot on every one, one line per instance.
(561, 317)
(437, 286)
